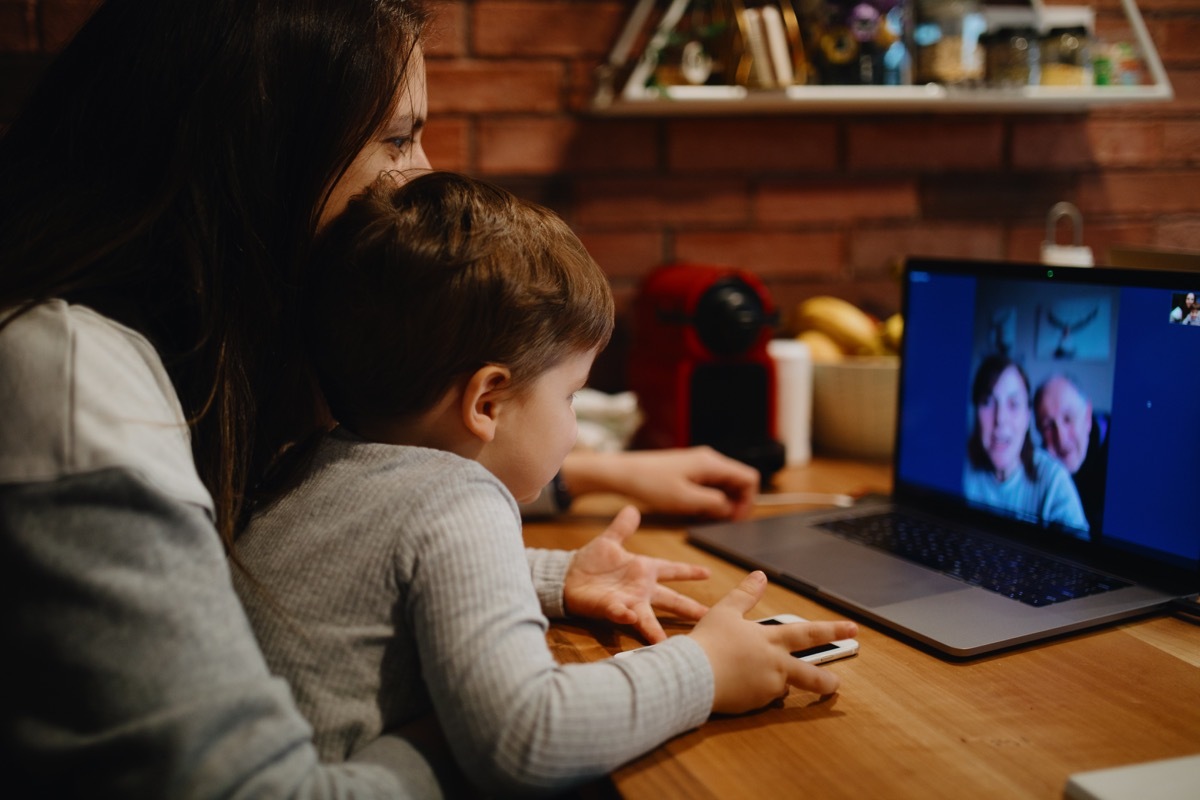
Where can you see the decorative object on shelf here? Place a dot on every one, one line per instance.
(1116, 61)
(856, 41)
(698, 51)
(1065, 255)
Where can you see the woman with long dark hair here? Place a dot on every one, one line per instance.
(159, 196)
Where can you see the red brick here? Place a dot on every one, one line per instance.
(1148, 7)
(1186, 83)
(1086, 143)
(875, 249)
(546, 145)
(1181, 233)
(753, 144)
(994, 196)
(929, 144)
(446, 34)
(648, 202)
(1175, 39)
(1053, 144)
(582, 83)
(1181, 142)
(514, 28)
(843, 201)
(1151, 193)
(18, 26)
(447, 143)
(494, 86)
(625, 255)
(766, 253)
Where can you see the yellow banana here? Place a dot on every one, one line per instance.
(851, 328)
(823, 349)
(892, 332)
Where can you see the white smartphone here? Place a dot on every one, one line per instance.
(841, 648)
(814, 655)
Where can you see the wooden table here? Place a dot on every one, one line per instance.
(906, 724)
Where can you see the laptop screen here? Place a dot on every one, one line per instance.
(1063, 400)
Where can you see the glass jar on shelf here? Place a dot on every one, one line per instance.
(1010, 57)
(1065, 57)
(945, 38)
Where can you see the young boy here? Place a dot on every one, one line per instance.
(450, 325)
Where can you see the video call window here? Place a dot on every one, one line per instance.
(1040, 402)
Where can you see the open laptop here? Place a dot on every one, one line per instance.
(1124, 541)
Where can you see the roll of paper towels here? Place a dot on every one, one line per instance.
(793, 398)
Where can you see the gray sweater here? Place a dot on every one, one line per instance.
(131, 670)
(394, 580)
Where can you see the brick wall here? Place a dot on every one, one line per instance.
(812, 202)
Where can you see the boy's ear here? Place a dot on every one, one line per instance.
(482, 398)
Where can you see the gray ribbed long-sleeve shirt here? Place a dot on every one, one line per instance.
(396, 582)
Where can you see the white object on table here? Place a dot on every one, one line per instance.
(793, 398)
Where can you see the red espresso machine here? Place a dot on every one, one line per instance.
(699, 363)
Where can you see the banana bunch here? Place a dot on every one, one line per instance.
(834, 328)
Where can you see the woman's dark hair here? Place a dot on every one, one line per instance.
(417, 285)
(989, 372)
(169, 171)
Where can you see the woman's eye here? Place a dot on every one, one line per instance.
(401, 142)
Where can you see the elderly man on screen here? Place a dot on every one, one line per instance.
(1077, 437)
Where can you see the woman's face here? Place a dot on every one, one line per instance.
(396, 147)
(1004, 421)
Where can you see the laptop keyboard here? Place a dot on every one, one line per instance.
(1014, 572)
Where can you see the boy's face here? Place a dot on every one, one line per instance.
(536, 428)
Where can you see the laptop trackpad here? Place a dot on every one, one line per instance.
(859, 574)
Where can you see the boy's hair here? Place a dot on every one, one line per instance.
(416, 286)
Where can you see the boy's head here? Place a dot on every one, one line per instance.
(417, 286)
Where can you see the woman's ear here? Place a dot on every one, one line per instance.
(482, 398)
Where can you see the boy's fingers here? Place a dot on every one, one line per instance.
(624, 524)
(746, 594)
(811, 678)
(672, 602)
(803, 635)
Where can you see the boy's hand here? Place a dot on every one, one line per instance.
(606, 581)
(752, 664)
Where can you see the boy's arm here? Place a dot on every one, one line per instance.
(509, 710)
(548, 569)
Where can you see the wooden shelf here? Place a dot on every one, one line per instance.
(636, 100)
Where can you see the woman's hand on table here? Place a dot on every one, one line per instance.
(693, 481)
